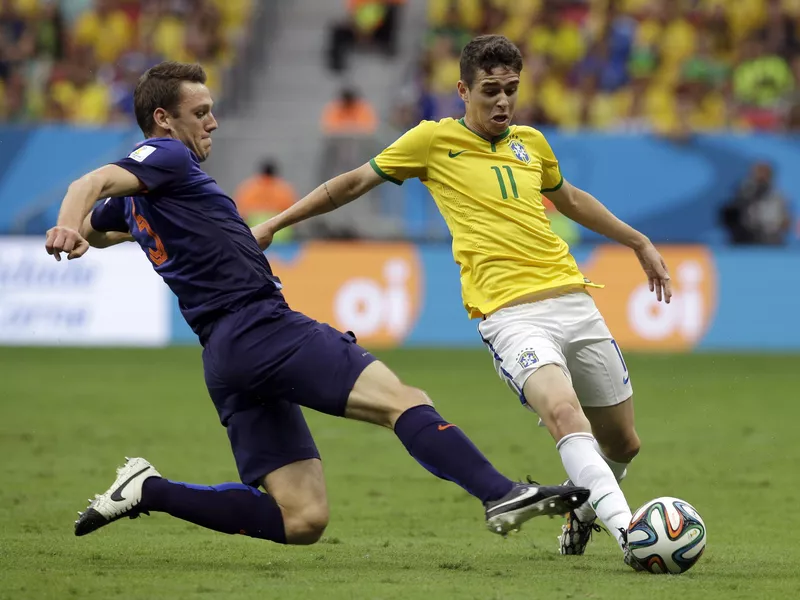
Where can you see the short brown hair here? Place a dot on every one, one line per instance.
(486, 52)
(160, 87)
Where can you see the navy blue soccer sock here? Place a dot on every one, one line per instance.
(228, 507)
(445, 451)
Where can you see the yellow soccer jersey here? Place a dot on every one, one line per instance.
(490, 194)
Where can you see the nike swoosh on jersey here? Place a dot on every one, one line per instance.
(117, 496)
(452, 154)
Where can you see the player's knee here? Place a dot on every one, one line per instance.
(399, 400)
(306, 526)
(565, 418)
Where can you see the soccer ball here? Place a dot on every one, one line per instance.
(667, 535)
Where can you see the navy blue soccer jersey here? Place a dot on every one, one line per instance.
(191, 232)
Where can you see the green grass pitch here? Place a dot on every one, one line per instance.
(719, 431)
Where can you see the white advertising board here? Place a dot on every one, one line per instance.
(109, 297)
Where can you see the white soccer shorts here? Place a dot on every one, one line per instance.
(567, 331)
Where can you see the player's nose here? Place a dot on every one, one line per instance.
(212, 124)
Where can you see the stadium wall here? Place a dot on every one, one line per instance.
(403, 295)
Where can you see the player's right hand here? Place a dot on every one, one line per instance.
(65, 239)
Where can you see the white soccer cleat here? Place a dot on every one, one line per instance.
(120, 500)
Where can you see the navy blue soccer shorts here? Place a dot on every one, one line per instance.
(265, 361)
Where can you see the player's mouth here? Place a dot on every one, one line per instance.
(500, 119)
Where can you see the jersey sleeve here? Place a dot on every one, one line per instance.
(407, 157)
(158, 163)
(552, 179)
(109, 215)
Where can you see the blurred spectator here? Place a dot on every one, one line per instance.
(610, 72)
(83, 97)
(368, 22)
(349, 114)
(107, 29)
(556, 38)
(263, 196)
(79, 60)
(671, 67)
(779, 34)
(12, 97)
(758, 213)
(451, 27)
(17, 38)
(762, 78)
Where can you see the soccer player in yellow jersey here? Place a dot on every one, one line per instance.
(541, 326)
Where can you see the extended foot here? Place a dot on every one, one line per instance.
(526, 501)
(122, 499)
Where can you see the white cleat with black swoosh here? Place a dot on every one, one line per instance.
(528, 500)
(122, 499)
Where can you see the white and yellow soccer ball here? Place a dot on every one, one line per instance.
(667, 535)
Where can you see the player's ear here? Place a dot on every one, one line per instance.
(463, 90)
(161, 118)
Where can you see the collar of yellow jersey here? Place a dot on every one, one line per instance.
(492, 141)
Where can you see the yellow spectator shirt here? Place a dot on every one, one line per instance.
(490, 194)
(109, 37)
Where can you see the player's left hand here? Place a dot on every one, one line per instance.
(65, 239)
(656, 270)
(263, 234)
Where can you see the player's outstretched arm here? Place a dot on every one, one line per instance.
(586, 210)
(109, 180)
(329, 196)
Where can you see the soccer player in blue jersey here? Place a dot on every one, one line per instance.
(262, 360)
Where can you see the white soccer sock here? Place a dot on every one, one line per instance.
(586, 468)
(620, 470)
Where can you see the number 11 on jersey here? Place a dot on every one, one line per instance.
(502, 183)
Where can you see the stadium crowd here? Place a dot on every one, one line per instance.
(668, 66)
(79, 60)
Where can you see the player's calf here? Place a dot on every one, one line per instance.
(299, 490)
(622, 449)
(615, 432)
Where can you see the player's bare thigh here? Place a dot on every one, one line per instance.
(379, 397)
(299, 490)
(615, 430)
